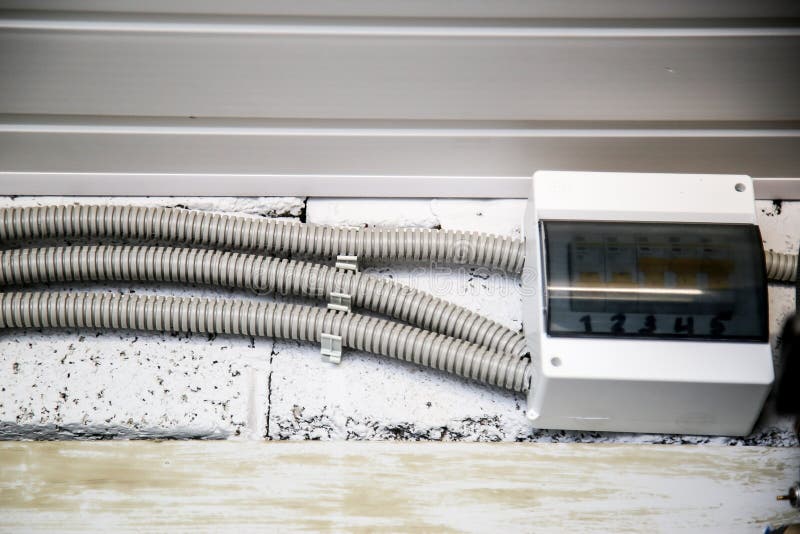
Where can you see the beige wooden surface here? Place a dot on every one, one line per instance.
(385, 486)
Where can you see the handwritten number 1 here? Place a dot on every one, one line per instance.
(618, 324)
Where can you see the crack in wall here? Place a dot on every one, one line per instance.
(272, 354)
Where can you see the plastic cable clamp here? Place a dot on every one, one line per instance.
(347, 263)
(340, 302)
(331, 348)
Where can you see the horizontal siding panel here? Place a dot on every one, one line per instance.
(67, 156)
(494, 74)
(340, 148)
(434, 8)
(294, 185)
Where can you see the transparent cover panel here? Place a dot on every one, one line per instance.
(655, 280)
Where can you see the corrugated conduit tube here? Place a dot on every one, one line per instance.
(263, 319)
(179, 225)
(261, 274)
(781, 267)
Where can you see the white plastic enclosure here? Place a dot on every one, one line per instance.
(645, 303)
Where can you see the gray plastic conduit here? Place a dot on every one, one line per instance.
(263, 319)
(781, 267)
(266, 235)
(261, 274)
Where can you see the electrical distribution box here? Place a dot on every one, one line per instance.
(645, 303)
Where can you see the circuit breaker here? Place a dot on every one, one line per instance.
(645, 303)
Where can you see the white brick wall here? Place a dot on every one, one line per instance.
(97, 384)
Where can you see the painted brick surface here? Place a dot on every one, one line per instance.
(95, 384)
(98, 384)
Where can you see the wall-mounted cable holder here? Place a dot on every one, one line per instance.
(347, 263)
(331, 348)
(340, 302)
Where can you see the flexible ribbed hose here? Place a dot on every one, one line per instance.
(261, 274)
(781, 267)
(263, 319)
(267, 235)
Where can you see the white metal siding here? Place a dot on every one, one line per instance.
(283, 97)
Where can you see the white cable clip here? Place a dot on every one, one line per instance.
(340, 302)
(347, 263)
(331, 348)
